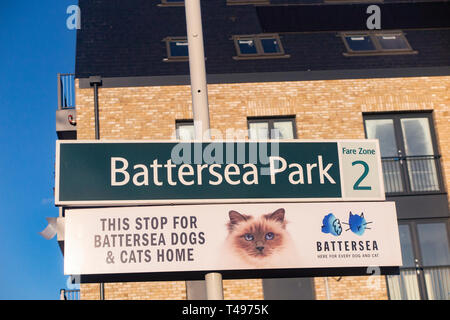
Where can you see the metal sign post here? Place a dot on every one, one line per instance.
(200, 109)
(197, 69)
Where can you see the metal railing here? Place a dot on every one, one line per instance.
(66, 294)
(412, 174)
(66, 90)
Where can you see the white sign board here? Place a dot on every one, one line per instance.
(230, 237)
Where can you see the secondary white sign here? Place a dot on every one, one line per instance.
(230, 237)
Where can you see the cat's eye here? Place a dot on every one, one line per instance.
(269, 236)
(248, 237)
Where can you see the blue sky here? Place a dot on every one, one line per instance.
(35, 46)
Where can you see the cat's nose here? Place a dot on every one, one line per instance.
(260, 249)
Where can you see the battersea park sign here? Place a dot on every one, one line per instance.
(108, 173)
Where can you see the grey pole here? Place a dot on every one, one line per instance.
(214, 286)
(200, 108)
(197, 69)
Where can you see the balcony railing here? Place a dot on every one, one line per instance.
(412, 174)
(69, 294)
(66, 91)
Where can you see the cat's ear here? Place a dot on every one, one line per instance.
(236, 217)
(362, 215)
(277, 215)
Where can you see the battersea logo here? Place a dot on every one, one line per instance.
(356, 223)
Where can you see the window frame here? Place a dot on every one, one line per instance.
(396, 116)
(260, 54)
(182, 122)
(417, 251)
(247, 2)
(166, 3)
(355, 52)
(270, 120)
(170, 57)
(352, 1)
(379, 50)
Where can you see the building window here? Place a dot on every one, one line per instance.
(425, 273)
(246, 2)
(359, 43)
(392, 42)
(171, 3)
(185, 130)
(271, 128)
(177, 49)
(410, 161)
(353, 1)
(376, 43)
(258, 46)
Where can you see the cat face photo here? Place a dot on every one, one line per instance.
(258, 239)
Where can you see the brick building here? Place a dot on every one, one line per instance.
(295, 69)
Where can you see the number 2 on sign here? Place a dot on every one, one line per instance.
(357, 186)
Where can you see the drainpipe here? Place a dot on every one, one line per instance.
(327, 289)
(96, 81)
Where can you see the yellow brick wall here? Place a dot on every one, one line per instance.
(243, 289)
(168, 290)
(329, 109)
(351, 288)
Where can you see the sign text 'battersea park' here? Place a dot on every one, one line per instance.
(163, 172)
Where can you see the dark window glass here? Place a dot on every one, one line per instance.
(392, 42)
(247, 46)
(179, 48)
(434, 244)
(407, 246)
(270, 45)
(377, 43)
(259, 45)
(289, 289)
(360, 43)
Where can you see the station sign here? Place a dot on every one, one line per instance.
(161, 240)
(108, 173)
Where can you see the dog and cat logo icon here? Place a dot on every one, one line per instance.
(356, 223)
